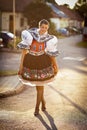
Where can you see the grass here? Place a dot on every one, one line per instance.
(82, 44)
(8, 72)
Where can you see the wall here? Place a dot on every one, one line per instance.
(5, 21)
(60, 23)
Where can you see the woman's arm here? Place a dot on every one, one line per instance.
(54, 62)
(24, 51)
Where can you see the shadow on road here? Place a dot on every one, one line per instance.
(73, 103)
(51, 120)
(78, 69)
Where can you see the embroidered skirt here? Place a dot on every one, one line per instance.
(38, 69)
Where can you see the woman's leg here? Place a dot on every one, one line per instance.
(43, 101)
(40, 98)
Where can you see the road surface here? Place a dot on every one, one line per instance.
(66, 96)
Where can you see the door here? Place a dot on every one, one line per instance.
(11, 23)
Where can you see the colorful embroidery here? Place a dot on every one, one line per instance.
(38, 74)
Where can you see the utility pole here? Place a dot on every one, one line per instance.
(14, 21)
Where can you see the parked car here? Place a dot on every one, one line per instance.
(6, 37)
(73, 30)
(85, 34)
(63, 31)
(1, 43)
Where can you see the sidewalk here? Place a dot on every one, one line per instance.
(10, 85)
(10, 50)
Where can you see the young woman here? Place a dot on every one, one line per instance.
(38, 64)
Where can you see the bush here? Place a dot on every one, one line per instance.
(82, 44)
(11, 43)
(52, 29)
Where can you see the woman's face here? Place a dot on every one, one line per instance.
(43, 28)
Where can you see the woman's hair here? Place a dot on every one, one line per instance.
(43, 21)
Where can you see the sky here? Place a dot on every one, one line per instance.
(71, 3)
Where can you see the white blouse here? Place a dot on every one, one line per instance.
(51, 45)
(27, 38)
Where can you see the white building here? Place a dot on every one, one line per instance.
(7, 15)
(62, 17)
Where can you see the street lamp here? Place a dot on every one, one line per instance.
(14, 20)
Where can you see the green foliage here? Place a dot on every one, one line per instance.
(66, 5)
(8, 72)
(83, 10)
(11, 43)
(36, 11)
(51, 1)
(52, 29)
(82, 44)
(18, 39)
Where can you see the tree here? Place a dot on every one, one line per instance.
(67, 5)
(83, 10)
(51, 1)
(81, 7)
(36, 11)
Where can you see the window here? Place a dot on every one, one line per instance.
(22, 22)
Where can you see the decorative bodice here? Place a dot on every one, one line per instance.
(37, 46)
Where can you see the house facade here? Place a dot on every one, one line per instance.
(60, 22)
(8, 23)
(60, 19)
(62, 16)
(7, 15)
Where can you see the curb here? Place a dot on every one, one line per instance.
(10, 50)
(4, 75)
(9, 93)
(85, 61)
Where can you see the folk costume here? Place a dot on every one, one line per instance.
(38, 66)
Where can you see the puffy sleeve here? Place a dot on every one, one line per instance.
(26, 40)
(51, 47)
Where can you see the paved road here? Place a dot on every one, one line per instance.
(9, 61)
(66, 97)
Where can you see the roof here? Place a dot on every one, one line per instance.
(70, 13)
(57, 11)
(62, 11)
(7, 5)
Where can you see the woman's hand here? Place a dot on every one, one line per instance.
(24, 51)
(54, 63)
(20, 72)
